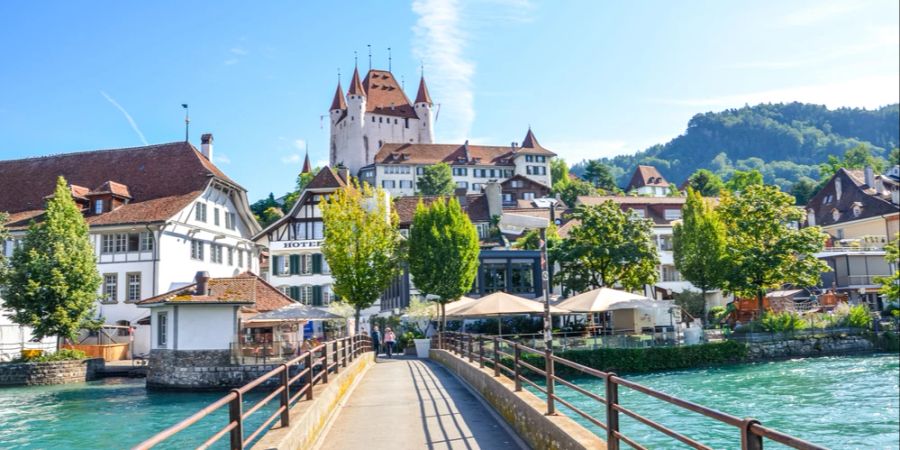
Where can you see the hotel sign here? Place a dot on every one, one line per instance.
(292, 245)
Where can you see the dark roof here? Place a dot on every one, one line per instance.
(326, 178)
(307, 167)
(338, 102)
(528, 181)
(245, 288)
(646, 176)
(854, 191)
(476, 207)
(422, 95)
(160, 180)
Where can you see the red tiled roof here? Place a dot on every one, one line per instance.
(244, 288)
(160, 179)
(355, 86)
(384, 95)
(646, 176)
(338, 102)
(111, 187)
(422, 96)
(854, 190)
(452, 154)
(476, 207)
(326, 178)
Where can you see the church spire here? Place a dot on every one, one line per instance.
(307, 167)
(338, 102)
(530, 141)
(356, 87)
(422, 96)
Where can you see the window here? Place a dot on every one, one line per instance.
(638, 213)
(536, 170)
(460, 171)
(462, 184)
(196, 249)
(304, 294)
(121, 243)
(406, 122)
(406, 184)
(240, 258)
(280, 265)
(517, 183)
(494, 276)
(134, 286)
(529, 158)
(508, 197)
(146, 242)
(388, 184)
(327, 294)
(216, 216)
(108, 243)
(98, 206)
(134, 241)
(420, 170)
(110, 288)
(230, 252)
(522, 277)
(231, 221)
(528, 195)
(215, 253)
(480, 173)
(483, 230)
(404, 170)
(200, 212)
(162, 324)
(540, 158)
(672, 214)
(476, 187)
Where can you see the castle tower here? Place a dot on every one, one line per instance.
(337, 112)
(423, 107)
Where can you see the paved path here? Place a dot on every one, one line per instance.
(407, 403)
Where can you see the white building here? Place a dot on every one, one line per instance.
(646, 180)
(157, 215)
(376, 111)
(397, 167)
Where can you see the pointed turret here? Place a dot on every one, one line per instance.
(307, 167)
(356, 87)
(422, 96)
(530, 141)
(338, 102)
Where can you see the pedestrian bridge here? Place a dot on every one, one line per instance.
(475, 392)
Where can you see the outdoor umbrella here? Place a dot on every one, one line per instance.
(503, 304)
(606, 299)
(293, 312)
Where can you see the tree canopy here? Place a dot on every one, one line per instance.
(890, 285)
(559, 173)
(706, 183)
(608, 247)
(436, 179)
(599, 175)
(53, 282)
(764, 248)
(570, 191)
(741, 179)
(699, 244)
(4, 236)
(362, 244)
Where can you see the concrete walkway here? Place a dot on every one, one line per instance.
(408, 403)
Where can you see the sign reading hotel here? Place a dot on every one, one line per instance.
(295, 245)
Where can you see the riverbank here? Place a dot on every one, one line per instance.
(50, 372)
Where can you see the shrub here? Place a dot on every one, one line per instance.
(61, 355)
(782, 322)
(859, 317)
(691, 302)
(717, 314)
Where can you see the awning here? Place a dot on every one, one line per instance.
(293, 312)
(784, 294)
(606, 299)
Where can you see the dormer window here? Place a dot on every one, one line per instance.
(98, 206)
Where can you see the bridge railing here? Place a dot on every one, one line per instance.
(312, 367)
(507, 359)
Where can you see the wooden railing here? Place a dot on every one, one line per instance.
(506, 358)
(312, 367)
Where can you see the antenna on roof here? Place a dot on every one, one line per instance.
(339, 75)
(422, 67)
(389, 59)
(187, 121)
(355, 60)
(370, 55)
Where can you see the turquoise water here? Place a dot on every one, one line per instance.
(112, 413)
(839, 402)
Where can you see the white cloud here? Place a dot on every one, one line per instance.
(293, 158)
(440, 41)
(300, 144)
(869, 91)
(238, 51)
(221, 158)
(819, 12)
(134, 125)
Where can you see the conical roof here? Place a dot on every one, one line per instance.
(422, 96)
(530, 141)
(356, 87)
(338, 102)
(307, 167)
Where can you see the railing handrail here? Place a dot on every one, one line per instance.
(343, 351)
(752, 431)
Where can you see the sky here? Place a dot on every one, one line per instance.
(592, 78)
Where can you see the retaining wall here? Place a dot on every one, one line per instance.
(201, 369)
(522, 410)
(806, 346)
(53, 372)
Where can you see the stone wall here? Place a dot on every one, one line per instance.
(53, 372)
(522, 410)
(201, 369)
(807, 346)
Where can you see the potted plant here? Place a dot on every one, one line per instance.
(420, 314)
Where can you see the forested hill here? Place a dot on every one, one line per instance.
(783, 141)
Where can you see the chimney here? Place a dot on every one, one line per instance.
(870, 177)
(494, 198)
(202, 280)
(460, 194)
(344, 173)
(206, 146)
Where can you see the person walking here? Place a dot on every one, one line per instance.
(389, 340)
(376, 340)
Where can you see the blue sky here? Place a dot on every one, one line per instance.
(593, 78)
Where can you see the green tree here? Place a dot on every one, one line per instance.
(858, 157)
(443, 252)
(673, 191)
(741, 179)
(559, 174)
(531, 240)
(699, 244)
(436, 179)
(4, 236)
(764, 250)
(362, 245)
(270, 215)
(570, 192)
(803, 190)
(890, 285)
(706, 183)
(609, 246)
(600, 176)
(53, 282)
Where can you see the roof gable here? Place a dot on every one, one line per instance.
(384, 95)
(646, 176)
(246, 288)
(854, 192)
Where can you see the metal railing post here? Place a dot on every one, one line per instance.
(344, 351)
(481, 352)
(337, 357)
(285, 396)
(234, 415)
(612, 414)
(496, 356)
(471, 340)
(548, 368)
(750, 440)
(517, 355)
(325, 364)
(309, 375)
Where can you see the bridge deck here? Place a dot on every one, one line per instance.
(407, 403)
